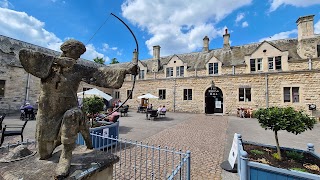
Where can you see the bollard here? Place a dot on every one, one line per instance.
(244, 165)
(189, 165)
(310, 147)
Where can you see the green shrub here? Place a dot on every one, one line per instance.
(294, 155)
(299, 169)
(256, 152)
(92, 105)
(276, 156)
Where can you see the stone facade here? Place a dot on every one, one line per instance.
(274, 73)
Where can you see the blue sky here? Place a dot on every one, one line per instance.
(177, 26)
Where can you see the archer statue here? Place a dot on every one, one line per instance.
(59, 119)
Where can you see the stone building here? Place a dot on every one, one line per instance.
(213, 81)
(264, 74)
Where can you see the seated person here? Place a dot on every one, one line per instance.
(113, 117)
(149, 107)
(164, 109)
(159, 109)
(29, 111)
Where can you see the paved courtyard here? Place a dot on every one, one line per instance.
(208, 138)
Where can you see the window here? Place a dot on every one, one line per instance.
(162, 94)
(291, 94)
(187, 94)
(141, 74)
(213, 68)
(86, 89)
(129, 94)
(245, 94)
(318, 50)
(169, 72)
(252, 65)
(117, 95)
(274, 63)
(132, 77)
(180, 71)
(256, 64)
(2, 87)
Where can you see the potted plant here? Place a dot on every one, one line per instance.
(258, 160)
(100, 132)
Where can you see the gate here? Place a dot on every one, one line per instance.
(142, 161)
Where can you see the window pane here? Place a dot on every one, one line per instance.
(270, 62)
(189, 94)
(2, 86)
(117, 95)
(141, 74)
(252, 65)
(248, 94)
(167, 72)
(286, 94)
(259, 64)
(181, 70)
(278, 62)
(185, 94)
(210, 68)
(171, 71)
(216, 68)
(241, 94)
(162, 94)
(129, 95)
(295, 94)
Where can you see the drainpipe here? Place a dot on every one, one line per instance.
(174, 95)
(233, 70)
(310, 64)
(267, 91)
(27, 89)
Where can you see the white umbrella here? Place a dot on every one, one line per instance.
(148, 96)
(94, 92)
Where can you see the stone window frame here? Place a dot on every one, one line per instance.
(275, 66)
(117, 95)
(187, 94)
(161, 92)
(244, 90)
(289, 92)
(141, 74)
(213, 68)
(2, 87)
(128, 92)
(257, 64)
(169, 72)
(180, 71)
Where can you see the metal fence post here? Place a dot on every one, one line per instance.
(244, 165)
(310, 147)
(238, 158)
(188, 165)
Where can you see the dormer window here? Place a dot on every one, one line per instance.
(169, 72)
(141, 74)
(180, 71)
(274, 63)
(213, 68)
(255, 64)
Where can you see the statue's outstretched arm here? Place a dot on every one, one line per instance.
(36, 63)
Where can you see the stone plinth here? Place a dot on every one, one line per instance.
(86, 164)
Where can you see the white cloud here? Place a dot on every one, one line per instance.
(5, 4)
(281, 35)
(275, 4)
(91, 53)
(317, 28)
(179, 26)
(106, 47)
(240, 16)
(245, 24)
(20, 25)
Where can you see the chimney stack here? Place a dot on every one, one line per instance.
(135, 57)
(226, 39)
(205, 44)
(305, 27)
(156, 52)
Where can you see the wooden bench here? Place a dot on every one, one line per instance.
(16, 131)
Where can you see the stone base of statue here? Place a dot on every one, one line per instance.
(86, 164)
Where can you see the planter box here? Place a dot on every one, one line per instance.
(249, 170)
(102, 137)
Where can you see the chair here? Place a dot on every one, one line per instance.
(162, 113)
(29, 114)
(17, 130)
(153, 113)
(124, 111)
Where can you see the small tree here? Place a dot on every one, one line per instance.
(99, 60)
(93, 105)
(114, 61)
(276, 119)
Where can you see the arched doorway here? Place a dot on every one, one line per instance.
(213, 100)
